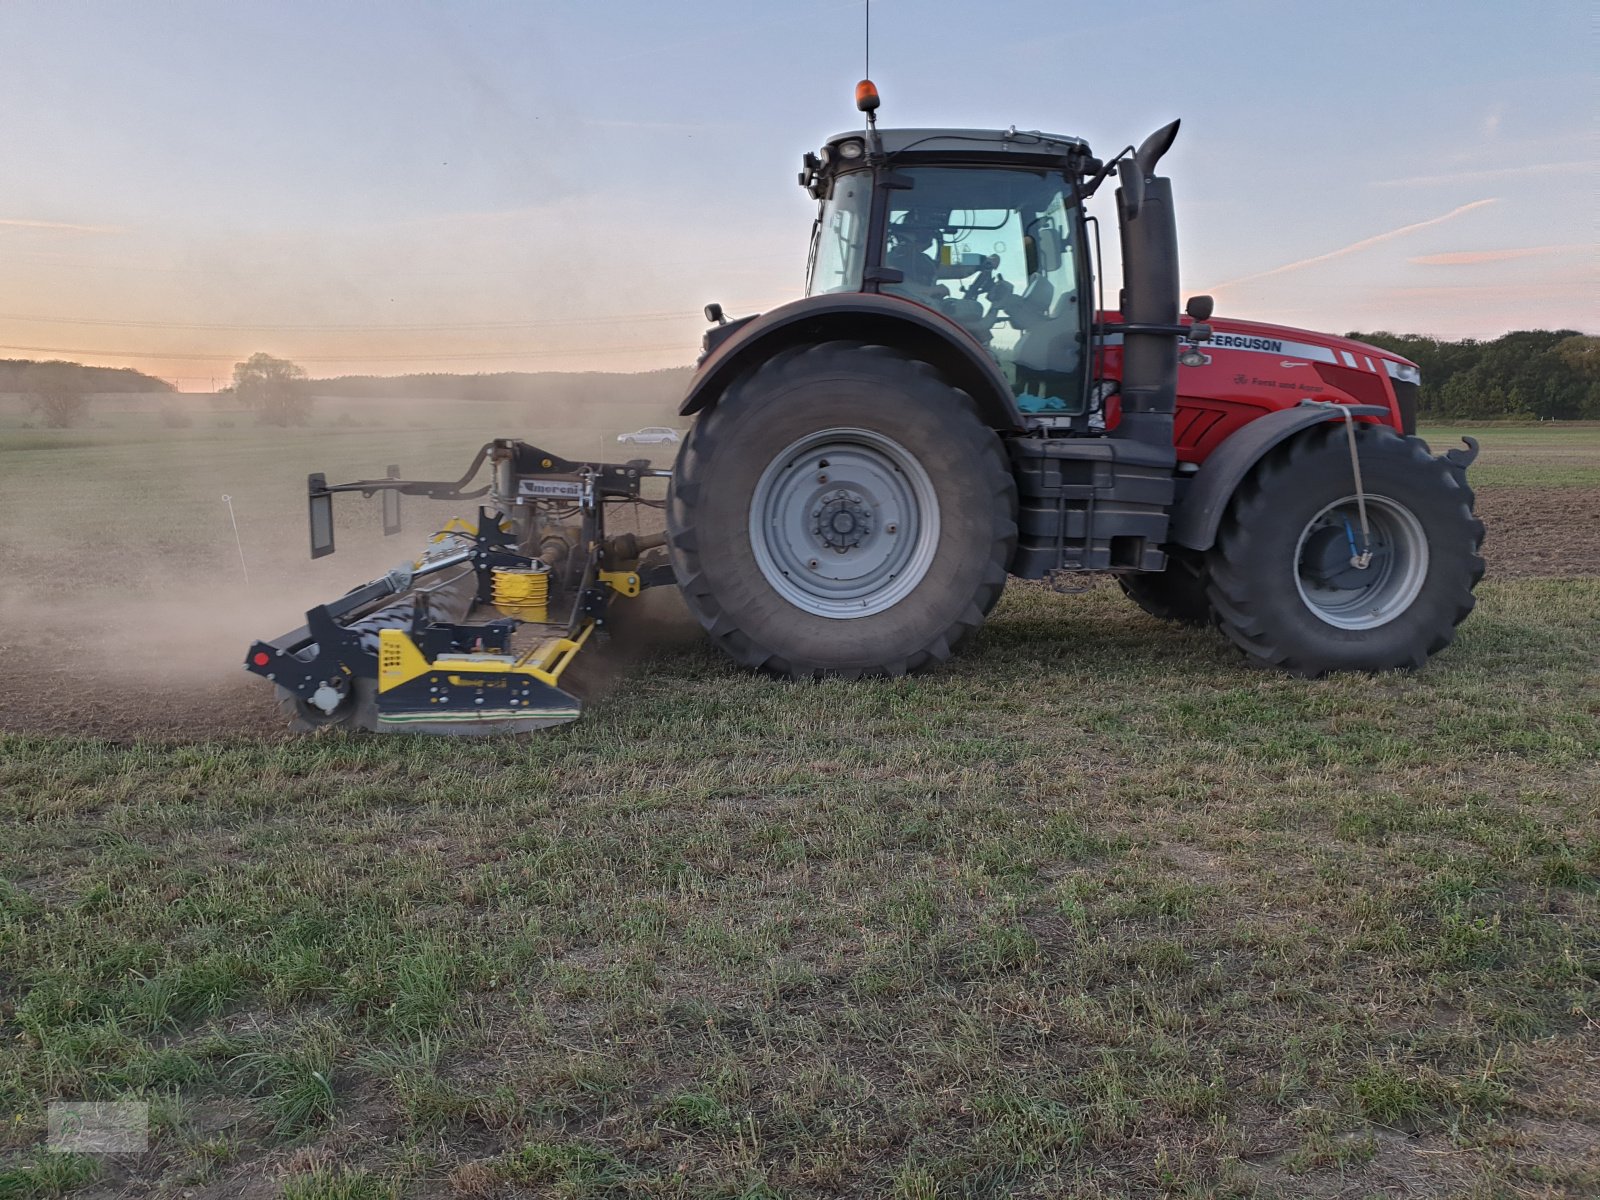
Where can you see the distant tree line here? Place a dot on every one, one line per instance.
(579, 387)
(1531, 373)
(58, 392)
(26, 376)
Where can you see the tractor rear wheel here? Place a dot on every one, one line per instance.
(1283, 578)
(1176, 594)
(841, 511)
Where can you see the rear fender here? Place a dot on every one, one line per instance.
(859, 317)
(1199, 513)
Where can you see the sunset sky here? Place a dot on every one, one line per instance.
(390, 187)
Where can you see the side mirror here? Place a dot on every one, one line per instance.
(1132, 181)
(321, 509)
(1200, 308)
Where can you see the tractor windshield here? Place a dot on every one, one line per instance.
(840, 239)
(995, 251)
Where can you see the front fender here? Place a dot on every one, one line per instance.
(864, 317)
(1199, 514)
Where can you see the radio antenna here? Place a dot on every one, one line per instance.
(867, 92)
(866, 72)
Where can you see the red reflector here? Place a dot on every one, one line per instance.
(261, 658)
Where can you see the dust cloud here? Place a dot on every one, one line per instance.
(125, 611)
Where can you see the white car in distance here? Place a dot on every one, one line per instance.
(652, 435)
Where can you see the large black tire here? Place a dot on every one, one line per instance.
(1278, 577)
(894, 404)
(1176, 594)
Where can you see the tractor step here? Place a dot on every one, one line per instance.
(1088, 504)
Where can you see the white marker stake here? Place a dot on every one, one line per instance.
(228, 500)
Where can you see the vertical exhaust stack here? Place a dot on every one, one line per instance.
(1149, 234)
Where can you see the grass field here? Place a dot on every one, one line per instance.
(1094, 911)
(1548, 455)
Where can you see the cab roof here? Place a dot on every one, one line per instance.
(971, 141)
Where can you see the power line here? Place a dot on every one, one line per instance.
(576, 352)
(542, 323)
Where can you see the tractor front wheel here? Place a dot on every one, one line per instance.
(841, 511)
(1294, 582)
(1176, 594)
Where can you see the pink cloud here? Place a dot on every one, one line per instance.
(1353, 247)
(1463, 258)
(55, 226)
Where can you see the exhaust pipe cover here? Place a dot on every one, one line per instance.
(1150, 284)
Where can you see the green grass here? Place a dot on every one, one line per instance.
(43, 1176)
(1095, 910)
(1551, 454)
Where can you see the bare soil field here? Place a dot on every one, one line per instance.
(1534, 531)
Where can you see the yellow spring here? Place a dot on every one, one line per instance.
(522, 592)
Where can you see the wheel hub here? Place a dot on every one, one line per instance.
(1326, 560)
(842, 521)
(329, 696)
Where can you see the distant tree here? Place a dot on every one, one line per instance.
(275, 388)
(1518, 375)
(59, 398)
(1581, 353)
(1528, 373)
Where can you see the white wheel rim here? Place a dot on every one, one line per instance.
(1350, 598)
(844, 523)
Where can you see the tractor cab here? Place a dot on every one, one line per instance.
(984, 227)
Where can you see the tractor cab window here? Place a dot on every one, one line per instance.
(839, 241)
(995, 251)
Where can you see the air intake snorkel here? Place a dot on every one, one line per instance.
(1150, 325)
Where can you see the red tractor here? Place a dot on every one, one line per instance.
(947, 407)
